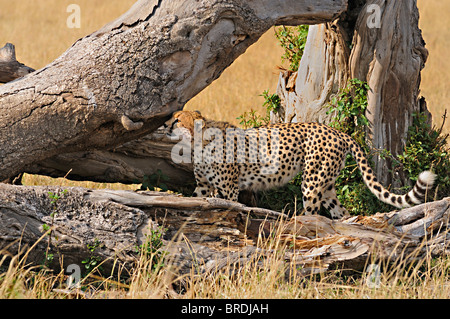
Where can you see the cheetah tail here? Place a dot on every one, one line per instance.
(417, 195)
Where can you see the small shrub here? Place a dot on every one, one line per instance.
(293, 41)
(156, 180)
(152, 248)
(427, 149)
(350, 105)
(253, 119)
(93, 261)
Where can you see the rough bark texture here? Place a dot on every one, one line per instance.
(10, 68)
(123, 81)
(388, 55)
(131, 162)
(390, 59)
(207, 234)
(323, 70)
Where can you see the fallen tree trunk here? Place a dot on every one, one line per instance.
(206, 233)
(10, 68)
(123, 81)
(133, 162)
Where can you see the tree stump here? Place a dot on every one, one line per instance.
(10, 68)
(375, 41)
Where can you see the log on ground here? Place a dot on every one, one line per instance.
(206, 233)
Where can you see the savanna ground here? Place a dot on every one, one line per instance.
(39, 31)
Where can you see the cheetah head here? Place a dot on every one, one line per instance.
(183, 120)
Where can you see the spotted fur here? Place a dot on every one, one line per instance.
(317, 150)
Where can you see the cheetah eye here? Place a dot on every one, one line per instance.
(173, 124)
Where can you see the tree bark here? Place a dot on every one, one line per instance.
(322, 72)
(10, 68)
(387, 51)
(393, 74)
(123, 81)
(206, 234)
(130, 163)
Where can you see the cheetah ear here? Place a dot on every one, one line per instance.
(195, 116)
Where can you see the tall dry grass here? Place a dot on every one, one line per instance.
(265, 275)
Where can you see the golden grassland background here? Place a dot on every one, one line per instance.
(38, 29)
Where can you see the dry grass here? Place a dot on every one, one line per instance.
(436, 76)
(38, 29)
(263, 277)
(35, 180)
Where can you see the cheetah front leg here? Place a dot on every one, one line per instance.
(204, 188)
(225, 181)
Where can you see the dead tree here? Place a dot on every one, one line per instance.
(123, 81)
(10, 68)
(375, 41)
(130, 163)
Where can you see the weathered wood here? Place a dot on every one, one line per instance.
(387, 51)
(123, 81)
(207, 233)
(393, 74)
(128, 163)
(323, 70)
(10, 68)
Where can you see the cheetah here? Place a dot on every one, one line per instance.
(228, 159)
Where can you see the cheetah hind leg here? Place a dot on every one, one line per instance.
(332, 204)
(311, 200)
